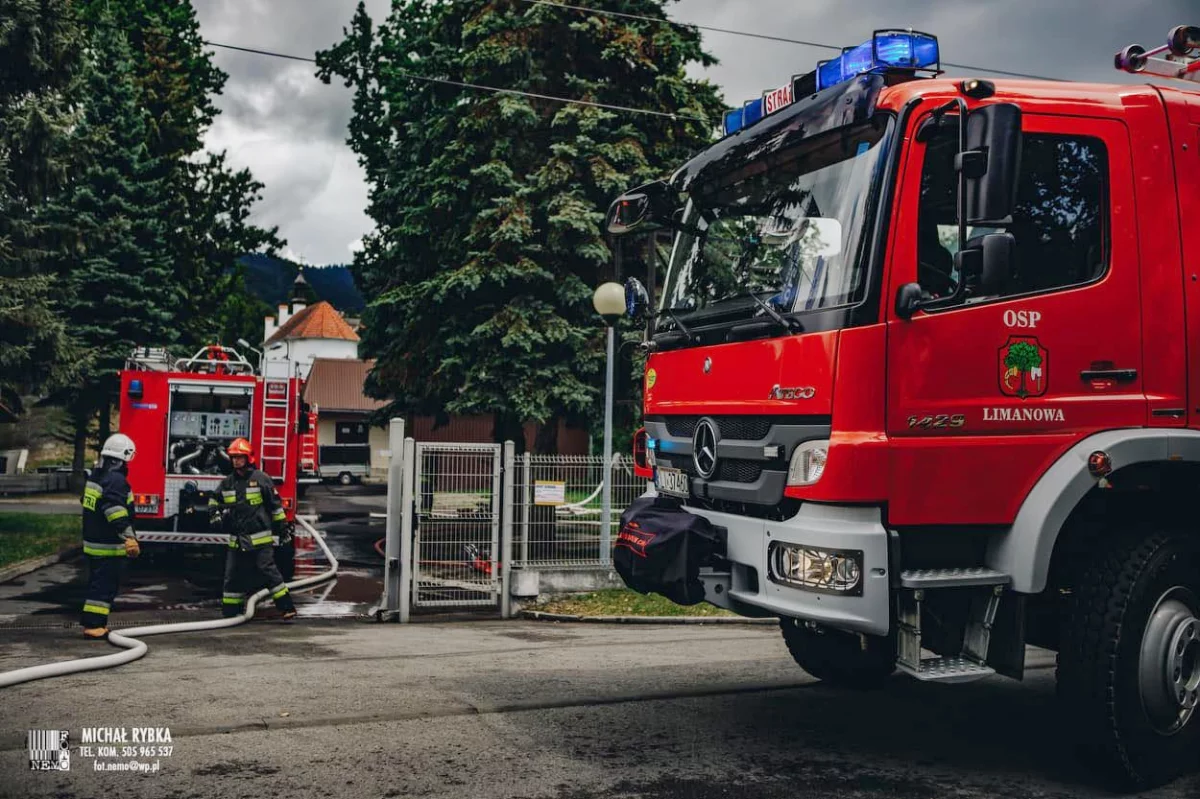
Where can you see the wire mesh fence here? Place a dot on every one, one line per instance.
(457, 535)
(557, 503)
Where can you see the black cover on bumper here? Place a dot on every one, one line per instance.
(661, 548)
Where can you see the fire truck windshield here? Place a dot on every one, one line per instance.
(788, 228)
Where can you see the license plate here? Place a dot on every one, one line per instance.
(671, 481)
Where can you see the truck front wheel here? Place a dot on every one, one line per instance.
(842, 659)
(1129, 663)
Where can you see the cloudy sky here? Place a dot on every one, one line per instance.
(290, 129)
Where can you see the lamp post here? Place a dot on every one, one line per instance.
(243, 343)
(609, 301)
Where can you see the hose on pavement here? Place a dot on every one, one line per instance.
(135, 649)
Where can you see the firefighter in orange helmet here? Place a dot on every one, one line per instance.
(247, 508)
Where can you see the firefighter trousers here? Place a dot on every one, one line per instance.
(245, 573)
(104, 581)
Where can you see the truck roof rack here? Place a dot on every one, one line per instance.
(216, 359)
(149, 359)
(1178, 59)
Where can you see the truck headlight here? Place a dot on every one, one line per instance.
(808, 463)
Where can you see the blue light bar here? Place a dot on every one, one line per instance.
(886, 49)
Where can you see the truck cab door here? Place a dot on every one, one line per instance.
(985, 393)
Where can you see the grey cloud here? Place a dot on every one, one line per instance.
(290, 129)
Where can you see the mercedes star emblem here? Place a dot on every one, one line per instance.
(704, 448)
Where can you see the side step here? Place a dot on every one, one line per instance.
(983, 589)
(951, 669)
(952, 578)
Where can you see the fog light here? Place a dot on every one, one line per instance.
(828, 570)
(808, 463)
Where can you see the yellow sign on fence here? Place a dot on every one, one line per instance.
(549, 492)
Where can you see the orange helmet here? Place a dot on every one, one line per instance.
(240, 446)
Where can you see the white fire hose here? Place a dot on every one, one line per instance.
(136, 649)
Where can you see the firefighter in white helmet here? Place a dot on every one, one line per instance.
(108, 535)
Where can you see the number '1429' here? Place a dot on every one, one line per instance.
(940, 421)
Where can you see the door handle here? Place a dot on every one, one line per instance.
(1120, 375)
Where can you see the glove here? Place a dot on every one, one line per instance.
(132, 550)
(285, 534)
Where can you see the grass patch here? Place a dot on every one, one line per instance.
(623, 602)
(32, 535)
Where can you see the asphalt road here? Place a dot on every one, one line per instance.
(527, 709)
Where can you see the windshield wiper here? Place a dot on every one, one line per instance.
(675, 318)
(790, 325)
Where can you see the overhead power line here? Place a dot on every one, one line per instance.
(750, 34)
(480, 86)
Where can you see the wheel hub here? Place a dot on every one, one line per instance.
(1169, 668)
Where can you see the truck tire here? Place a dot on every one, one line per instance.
(839, 658)
(345, 478)
(1129, 661)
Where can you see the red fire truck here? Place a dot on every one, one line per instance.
(182, 414)
(925, 356)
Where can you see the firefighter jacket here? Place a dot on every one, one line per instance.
(247, 508)
(107, 513)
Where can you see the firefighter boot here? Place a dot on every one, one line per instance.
(95, 633)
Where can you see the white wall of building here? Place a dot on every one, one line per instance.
(301, 351)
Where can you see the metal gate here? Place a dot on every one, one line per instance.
(456, 535)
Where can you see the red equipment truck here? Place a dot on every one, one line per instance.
(926, 356)
(182, 414)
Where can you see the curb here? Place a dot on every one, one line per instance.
(24, 567)
(537, 615)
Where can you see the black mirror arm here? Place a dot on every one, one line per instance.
(787, 324)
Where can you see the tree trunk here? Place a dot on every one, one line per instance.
(105, 419)
(546, 442)
(80, 417)
(509, 428)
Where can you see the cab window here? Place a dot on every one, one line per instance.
(1059, 222)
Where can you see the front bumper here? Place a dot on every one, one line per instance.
(747, 588)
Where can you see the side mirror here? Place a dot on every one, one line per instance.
(303, 423)
(908, 300)
(648, 207)
(992, 161)
(996, 260)
(637, 299)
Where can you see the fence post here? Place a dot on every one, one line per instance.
(395, 509)
(406, 530)
(506, 531)
(527, 476)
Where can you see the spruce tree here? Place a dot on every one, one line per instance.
(489, 207)
(209, 204)
(115, 263)
(40, 46)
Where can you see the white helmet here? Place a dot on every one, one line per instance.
(119, 446)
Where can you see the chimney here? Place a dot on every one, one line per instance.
(269, 327)
(283, 314)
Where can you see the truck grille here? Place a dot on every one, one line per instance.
(728, 469)
(737, 428)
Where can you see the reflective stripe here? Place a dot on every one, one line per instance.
(250, 491)
(91, 495)
(129, 499)
(231, 600)
(279, 591)
(230, 499)
(100, 610)
(254, 499)
(233, 542)
(103, 550)
(280, 515)
(97, 603)
(212, 502)
(261, 538)
(115, 512)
